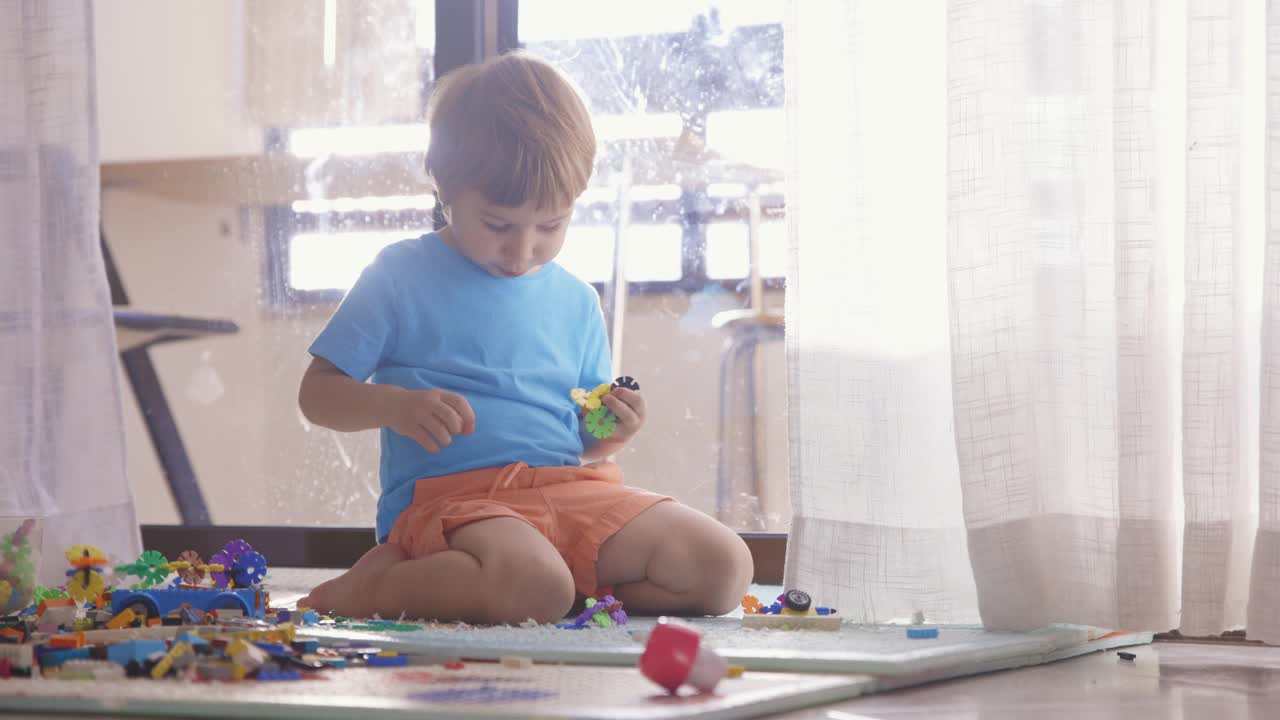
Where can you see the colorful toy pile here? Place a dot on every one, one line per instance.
(791, 602)
(598, 419)
(604, 613)
(223, 629)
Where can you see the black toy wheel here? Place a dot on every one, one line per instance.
(797, 600)
(628, 382)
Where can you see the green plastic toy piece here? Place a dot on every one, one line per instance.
(601, 423)
(43, 593)
(151, 568)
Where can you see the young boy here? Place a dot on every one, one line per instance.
(474, 337)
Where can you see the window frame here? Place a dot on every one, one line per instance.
(461, 29)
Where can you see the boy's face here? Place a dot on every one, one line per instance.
(505, 241)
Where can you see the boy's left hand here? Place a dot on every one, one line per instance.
(628, 405)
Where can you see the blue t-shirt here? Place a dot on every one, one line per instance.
(422, 316)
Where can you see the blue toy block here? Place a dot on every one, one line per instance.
(306, 647)
(394, 661)
(273, 649)
(162, 601)
(283, 616)
(191, 639)
(824, 610)
(278, 675)
(922, 633)
(138, 650)
(308, 617)
(55, 657)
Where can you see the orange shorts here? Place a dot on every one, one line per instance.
(576, 508)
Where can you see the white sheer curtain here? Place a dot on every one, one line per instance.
(62, 454)
(1026, 309)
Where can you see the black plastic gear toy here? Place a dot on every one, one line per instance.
(628, 382)
(797, 600)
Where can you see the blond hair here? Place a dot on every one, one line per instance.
(512, 128)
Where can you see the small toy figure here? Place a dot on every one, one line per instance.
(597, 418)
(675, 655)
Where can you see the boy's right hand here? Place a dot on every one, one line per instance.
(432, 417)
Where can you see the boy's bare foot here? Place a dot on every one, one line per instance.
(350, 593)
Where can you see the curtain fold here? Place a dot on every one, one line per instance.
(1264, 588)
(1089, 401)
(62, 456)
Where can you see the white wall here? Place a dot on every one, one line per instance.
(170, 79)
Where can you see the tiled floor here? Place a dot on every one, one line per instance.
(1183, 681)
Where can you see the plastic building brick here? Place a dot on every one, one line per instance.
(750, 605)
(123, 619)
(161, 601)
(735, 671)
(278, 675)
(62, 615)
(67, 640)
(792, 622)
(922, 633)
(54, 658)
(246, 655)
(1127, 656)
(306, 646)
(54, 602)
(273, 649)
(455, 665)
(675, 656)
(134, 650)
(171, 659)
(387, 661)
(191, 639)
(218, 670)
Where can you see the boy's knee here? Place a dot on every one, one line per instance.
(727, 569)
(521, 588)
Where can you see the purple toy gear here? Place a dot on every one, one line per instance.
(227, 557)
(236, 548)
(617, 614)
(221, 578)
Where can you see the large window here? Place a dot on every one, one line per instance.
(687, 101)
(682, 231)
